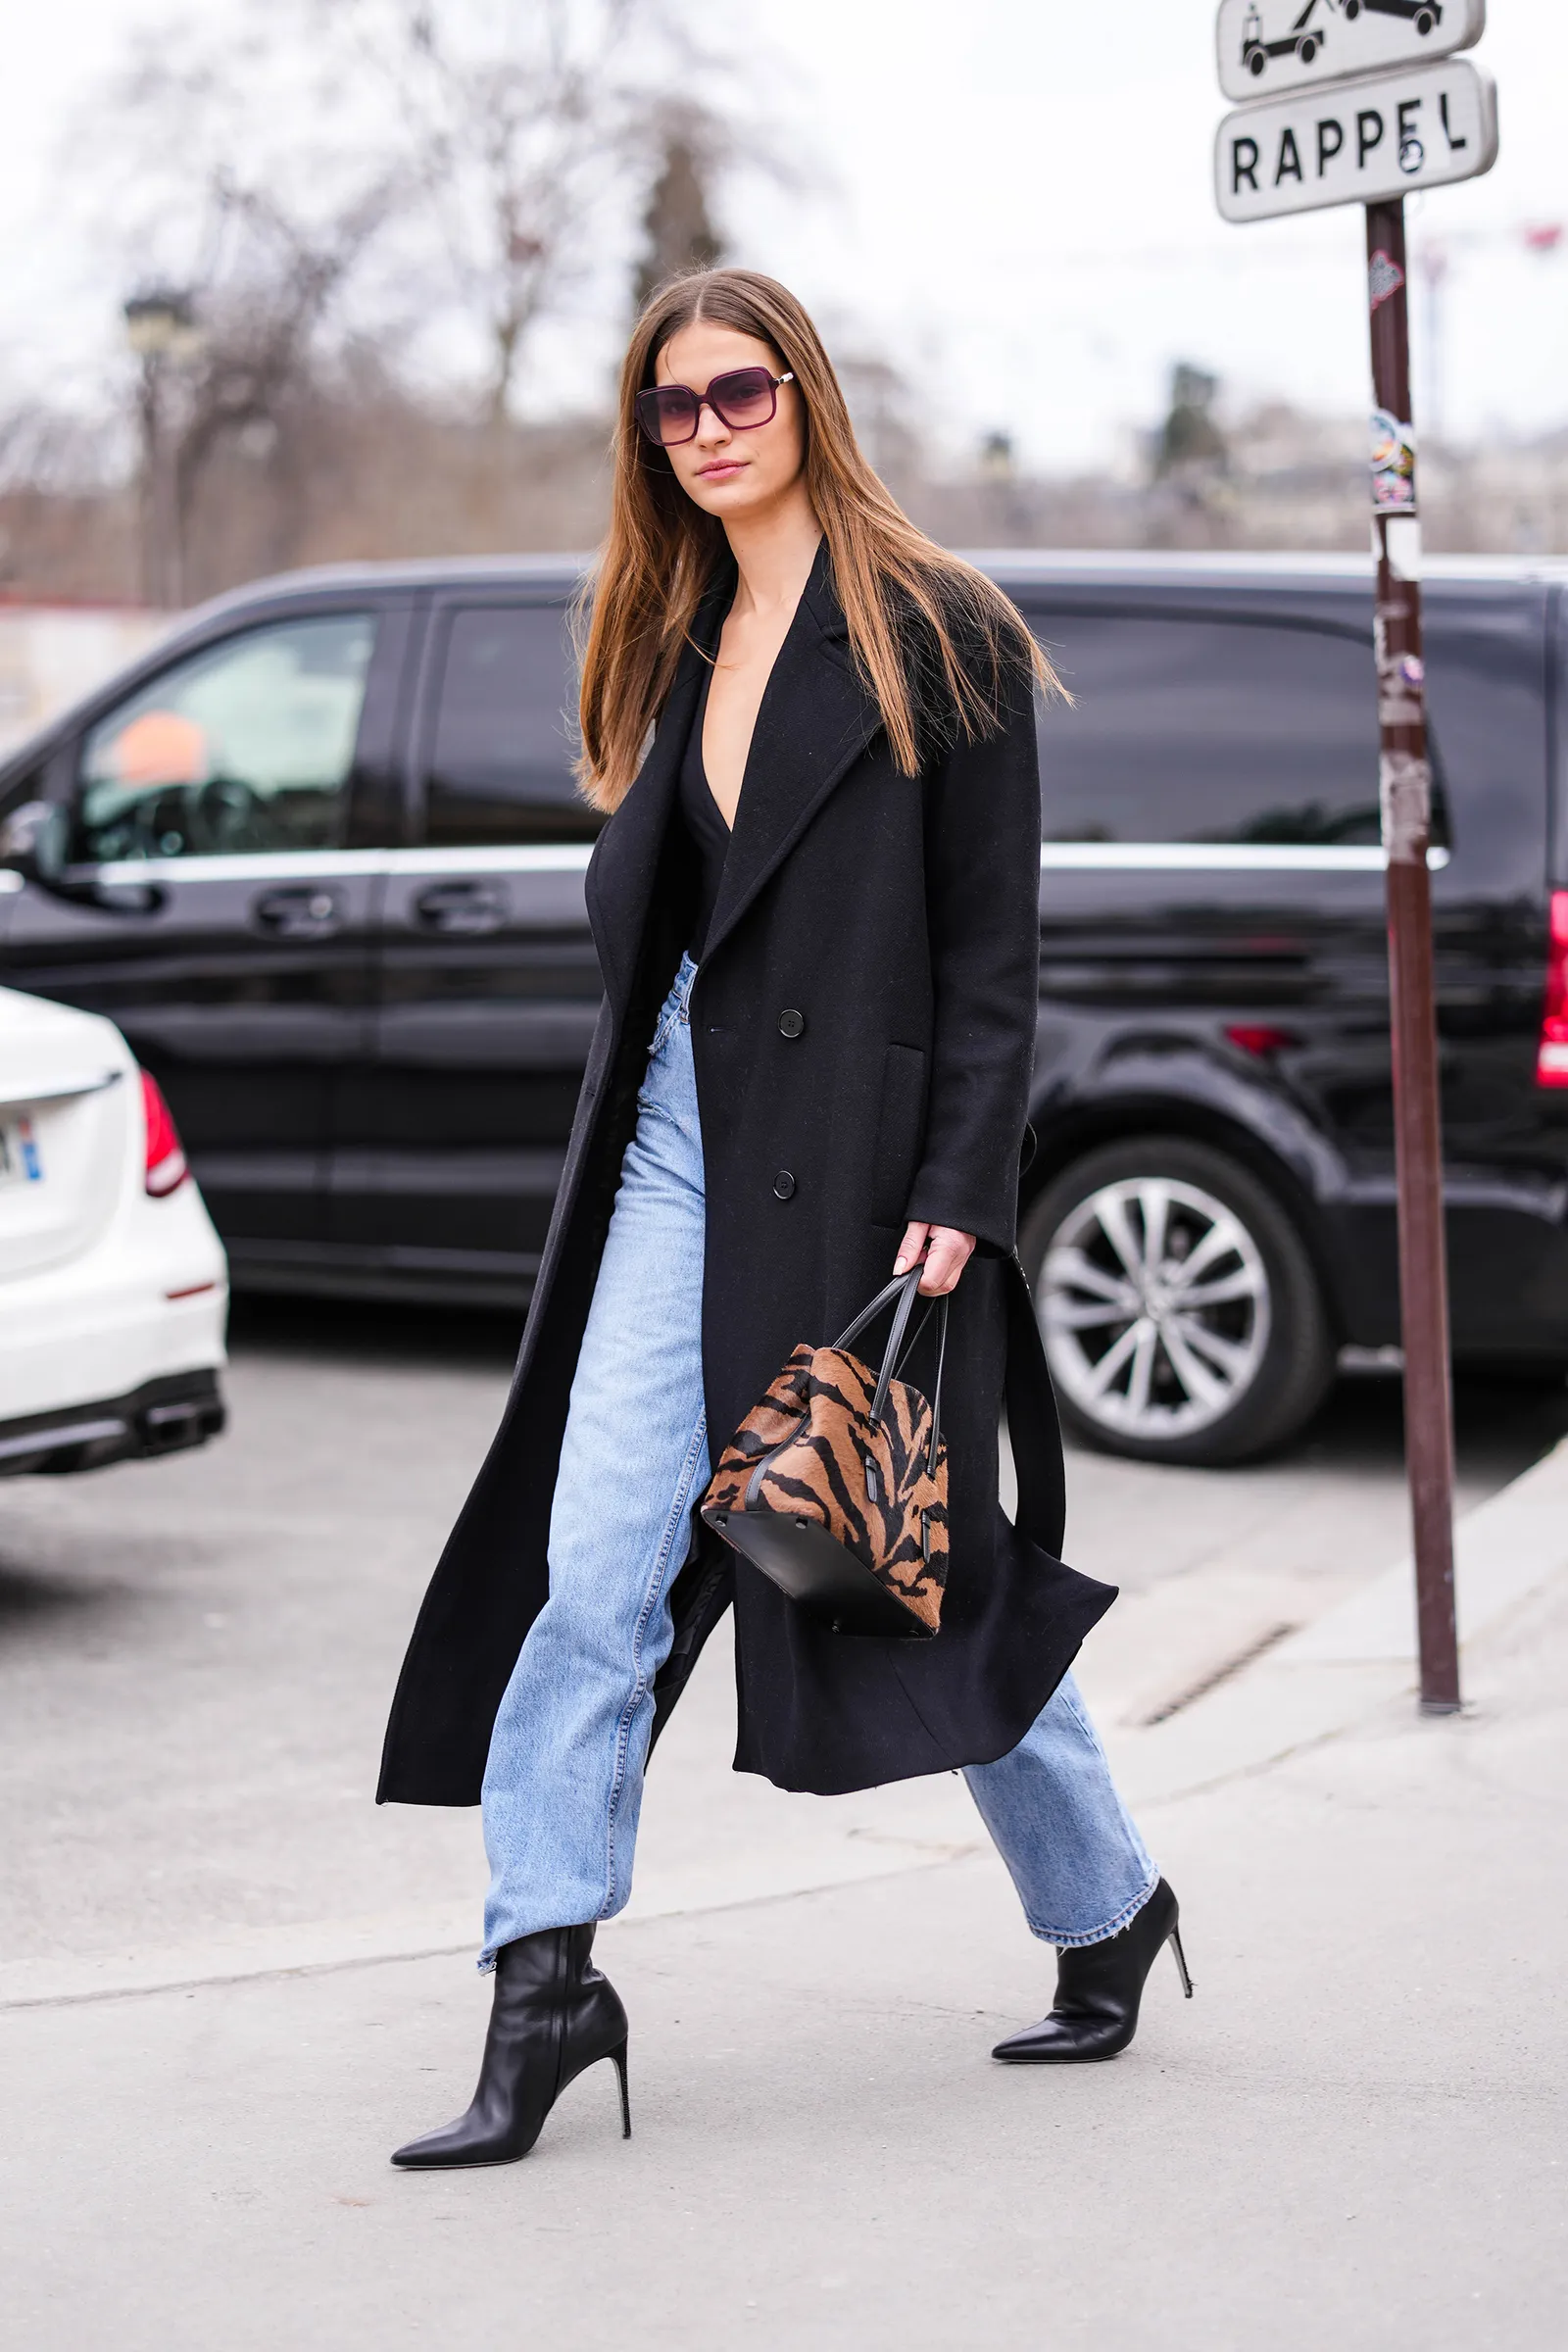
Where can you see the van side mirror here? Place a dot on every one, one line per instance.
(34, 841)
(36, 846)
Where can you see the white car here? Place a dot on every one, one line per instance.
(114, 1289)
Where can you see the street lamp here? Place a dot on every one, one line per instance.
(162, 325)
(165, 333)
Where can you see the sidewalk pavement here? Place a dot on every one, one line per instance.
(1354, 2135)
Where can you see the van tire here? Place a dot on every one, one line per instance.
(1274, 1342)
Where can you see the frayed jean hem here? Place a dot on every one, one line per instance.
(486, 1962)
(1124, 1918)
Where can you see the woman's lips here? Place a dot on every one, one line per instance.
(722, 471)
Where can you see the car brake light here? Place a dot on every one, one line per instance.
(1259, 1038)
(165, 1157)
(1551, 1061)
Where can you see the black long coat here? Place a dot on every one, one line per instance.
(900, 918)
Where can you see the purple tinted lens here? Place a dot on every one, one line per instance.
(666, 412)
(743, 397)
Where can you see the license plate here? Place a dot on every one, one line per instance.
(20, 1162)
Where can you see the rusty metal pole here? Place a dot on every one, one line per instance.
(1405, 794)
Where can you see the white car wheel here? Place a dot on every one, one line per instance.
(1181, 1312)
(1156, 1307)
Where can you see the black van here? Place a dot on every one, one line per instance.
(320, 857)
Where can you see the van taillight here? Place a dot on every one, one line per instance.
(165, 1157)
(1552, 1062)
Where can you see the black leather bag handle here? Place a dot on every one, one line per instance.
(940, 1307)
(936, 1393)
(906, 1288)
(903, 1286)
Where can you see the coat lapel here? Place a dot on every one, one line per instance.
(815, 719)
(624, 871)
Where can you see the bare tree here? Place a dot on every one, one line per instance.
(518, 142)
(1189, 438)
(529, 125)
(678, 232)
(262, 334)
(228, 358)
(255, 238)
(311, 197)
(62, 515)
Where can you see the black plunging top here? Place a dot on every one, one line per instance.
(704, 825)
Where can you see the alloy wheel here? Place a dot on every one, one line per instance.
(1154, 1305)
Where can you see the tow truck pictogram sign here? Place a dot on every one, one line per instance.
(1302, 41)
(1268, 47)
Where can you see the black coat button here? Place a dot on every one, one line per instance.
(783, 1184)
(789, 1022)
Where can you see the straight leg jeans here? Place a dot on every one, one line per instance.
(563, 1786)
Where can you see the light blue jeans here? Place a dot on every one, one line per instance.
(564, 1784)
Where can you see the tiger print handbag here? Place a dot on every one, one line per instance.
(835, 1486)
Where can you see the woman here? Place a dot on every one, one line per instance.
(817, 896)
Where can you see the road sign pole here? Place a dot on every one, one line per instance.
(1406, 803)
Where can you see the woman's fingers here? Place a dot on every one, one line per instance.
(945, 1253)
(912, 1249)
(945, 1261)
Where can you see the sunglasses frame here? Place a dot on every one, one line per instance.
(705, 400)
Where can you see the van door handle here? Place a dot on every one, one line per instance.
(462, 909)
(306, 911)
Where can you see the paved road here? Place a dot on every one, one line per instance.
(196, 1655)
(1352, 2138)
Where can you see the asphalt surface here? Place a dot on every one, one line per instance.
(196, 1654)
(1352, 2136)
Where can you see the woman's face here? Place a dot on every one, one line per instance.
(732, 475)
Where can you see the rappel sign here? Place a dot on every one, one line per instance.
(1357, 142)
(1391, 107)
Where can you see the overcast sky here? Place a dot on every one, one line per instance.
(1011, 198)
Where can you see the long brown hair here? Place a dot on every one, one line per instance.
(899, 590)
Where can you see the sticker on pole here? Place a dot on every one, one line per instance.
(1393, 464)
(1358, 142)
(1266, 47)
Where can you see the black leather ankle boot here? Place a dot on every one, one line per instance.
(552, 2016)
(1099, 1987)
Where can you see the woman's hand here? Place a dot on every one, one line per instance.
(945, 1251)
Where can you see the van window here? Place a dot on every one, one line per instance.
(246, 745)
(1207, 730)
(501, 746)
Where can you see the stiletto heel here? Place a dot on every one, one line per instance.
(552, 2016)
(1099, 1989)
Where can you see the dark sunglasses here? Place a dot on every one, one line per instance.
(747, 397)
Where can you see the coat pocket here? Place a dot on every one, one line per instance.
(900, 1134)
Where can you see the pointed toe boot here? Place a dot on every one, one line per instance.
(1098, 1987)
(553, 2015)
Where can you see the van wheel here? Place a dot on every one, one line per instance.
(1182, 1318)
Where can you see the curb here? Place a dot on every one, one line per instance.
(1360, 1657)
(321, 1948)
